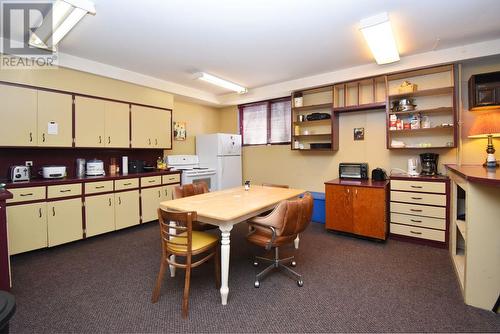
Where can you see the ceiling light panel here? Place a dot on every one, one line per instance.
(377, 31)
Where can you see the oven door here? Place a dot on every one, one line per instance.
(350, 171)
(208, 178)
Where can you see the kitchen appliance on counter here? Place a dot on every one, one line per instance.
(413, 167)
(53, 172)
(353, 170)
(136, 166)
(429, 163)
(95, 167)
(221, 152)
(318, 116)
(379, 174)
(191, 170)
(80, 167)
(19, 173)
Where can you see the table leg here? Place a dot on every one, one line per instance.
(172, 257)
(224, 257)
(296, 242)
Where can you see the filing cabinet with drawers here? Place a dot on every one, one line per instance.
(419, 209)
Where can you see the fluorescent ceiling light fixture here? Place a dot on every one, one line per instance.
(378, 34)
(221, 82)
(65, 15)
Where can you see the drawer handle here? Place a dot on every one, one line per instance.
(24, 195)
(109, 140)
(127, 184)
(416, 198)
(65, 191)
(416, 221)
(40, 212)
(152, 181)
(43, 137)
(417, 233)
(416, 210)
(417, 187)
(109, 199)
(159, 193)
(99, 187)
(31, 137)
(53, 211)
(100, 139)
(119, 200)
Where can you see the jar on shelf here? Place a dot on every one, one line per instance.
(297, 100)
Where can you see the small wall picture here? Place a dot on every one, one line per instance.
(359, 133)
(179, 130)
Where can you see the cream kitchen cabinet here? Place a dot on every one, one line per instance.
(27, 227)
(100, 123)
(163, 137)
(99, 214)
(150, 201)
(18, 116)
(54, 108)
(64, 221)
(151, 127)
(127, 209)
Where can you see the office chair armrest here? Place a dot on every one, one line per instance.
(273, 231)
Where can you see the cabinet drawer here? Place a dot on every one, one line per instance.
(26, 194)
(126, 184)
(419, 186)
(168, 179)
(418, 232)
(150, 181)
(419, 221)
(421, 210)
(64, 190)
(98, 187)
(418, 198)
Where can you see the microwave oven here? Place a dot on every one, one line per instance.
(353, 170)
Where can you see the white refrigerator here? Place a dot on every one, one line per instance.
(222, 152)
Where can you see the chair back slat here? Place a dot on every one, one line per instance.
(172, 224)
(190, 190)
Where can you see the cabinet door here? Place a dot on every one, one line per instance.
(167, 192)
(144, 127)
(57, 109)
(64, 221)
(369, 209)
(163, 134)
(339, 208)
(150, 202)
(18, 116)
(127, 209)
(99, 214)
(117, 124)
(27, 227)
(89, 122)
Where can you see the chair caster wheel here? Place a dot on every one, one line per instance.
(255, 263)
(300, 283)
(256, 284)
(293, 264)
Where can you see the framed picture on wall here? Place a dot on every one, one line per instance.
(359, 133)
(179, 130)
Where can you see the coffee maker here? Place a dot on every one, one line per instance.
(429, 163)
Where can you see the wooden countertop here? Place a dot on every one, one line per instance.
(5, 195)
(477, 173)
(434, 178)
(359, 183)
(66, 180)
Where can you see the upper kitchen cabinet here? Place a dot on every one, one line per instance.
(151, 127)
(54, 119)
(484, 91)
(101, 123)
(18, 115)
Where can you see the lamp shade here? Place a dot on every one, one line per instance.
(486, 124)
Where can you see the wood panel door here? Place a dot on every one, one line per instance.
(55, 119)
(339, 216)
(144, 127)
(369, 208)
(99, 214)
(150, 202)
(117, 124)
(127, 209)
(167, 192)
(163, 136)
(27, 227)
(64, 221)
(18, 110)
(89, 122)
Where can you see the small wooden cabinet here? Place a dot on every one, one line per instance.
(150, 200)
(18, 116)
(64, 221)
(54, 108)
(99, 214)
(151, 127)
(484, 91)
(357, 207)
(127, 209)
(27, 227)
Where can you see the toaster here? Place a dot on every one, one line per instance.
(19, 173)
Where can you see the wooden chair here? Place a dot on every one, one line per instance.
(192, 190)
(179, 239)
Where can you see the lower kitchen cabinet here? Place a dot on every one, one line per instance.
(150, 200)
(64, 221)
(357, 208)
(99, 214)
(27, 227)
(127, 209)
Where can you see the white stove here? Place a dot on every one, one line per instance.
(192, 172)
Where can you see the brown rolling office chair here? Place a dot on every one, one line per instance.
(186, 243)
(191, 190)
(279, 228)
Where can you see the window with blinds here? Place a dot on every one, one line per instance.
(266, 122)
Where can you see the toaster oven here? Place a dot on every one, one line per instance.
(353, 170)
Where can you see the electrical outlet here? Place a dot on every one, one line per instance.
(28, 163)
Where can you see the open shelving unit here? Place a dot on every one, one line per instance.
(307, 132)
(364, 94)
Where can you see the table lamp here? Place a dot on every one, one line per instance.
(487, 125)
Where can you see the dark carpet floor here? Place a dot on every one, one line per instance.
(104, 284)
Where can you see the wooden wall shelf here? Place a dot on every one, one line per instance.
(313, 107)
(361, 107)
(426, 92)
(424, 111)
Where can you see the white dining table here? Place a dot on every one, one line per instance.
(227, 208)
